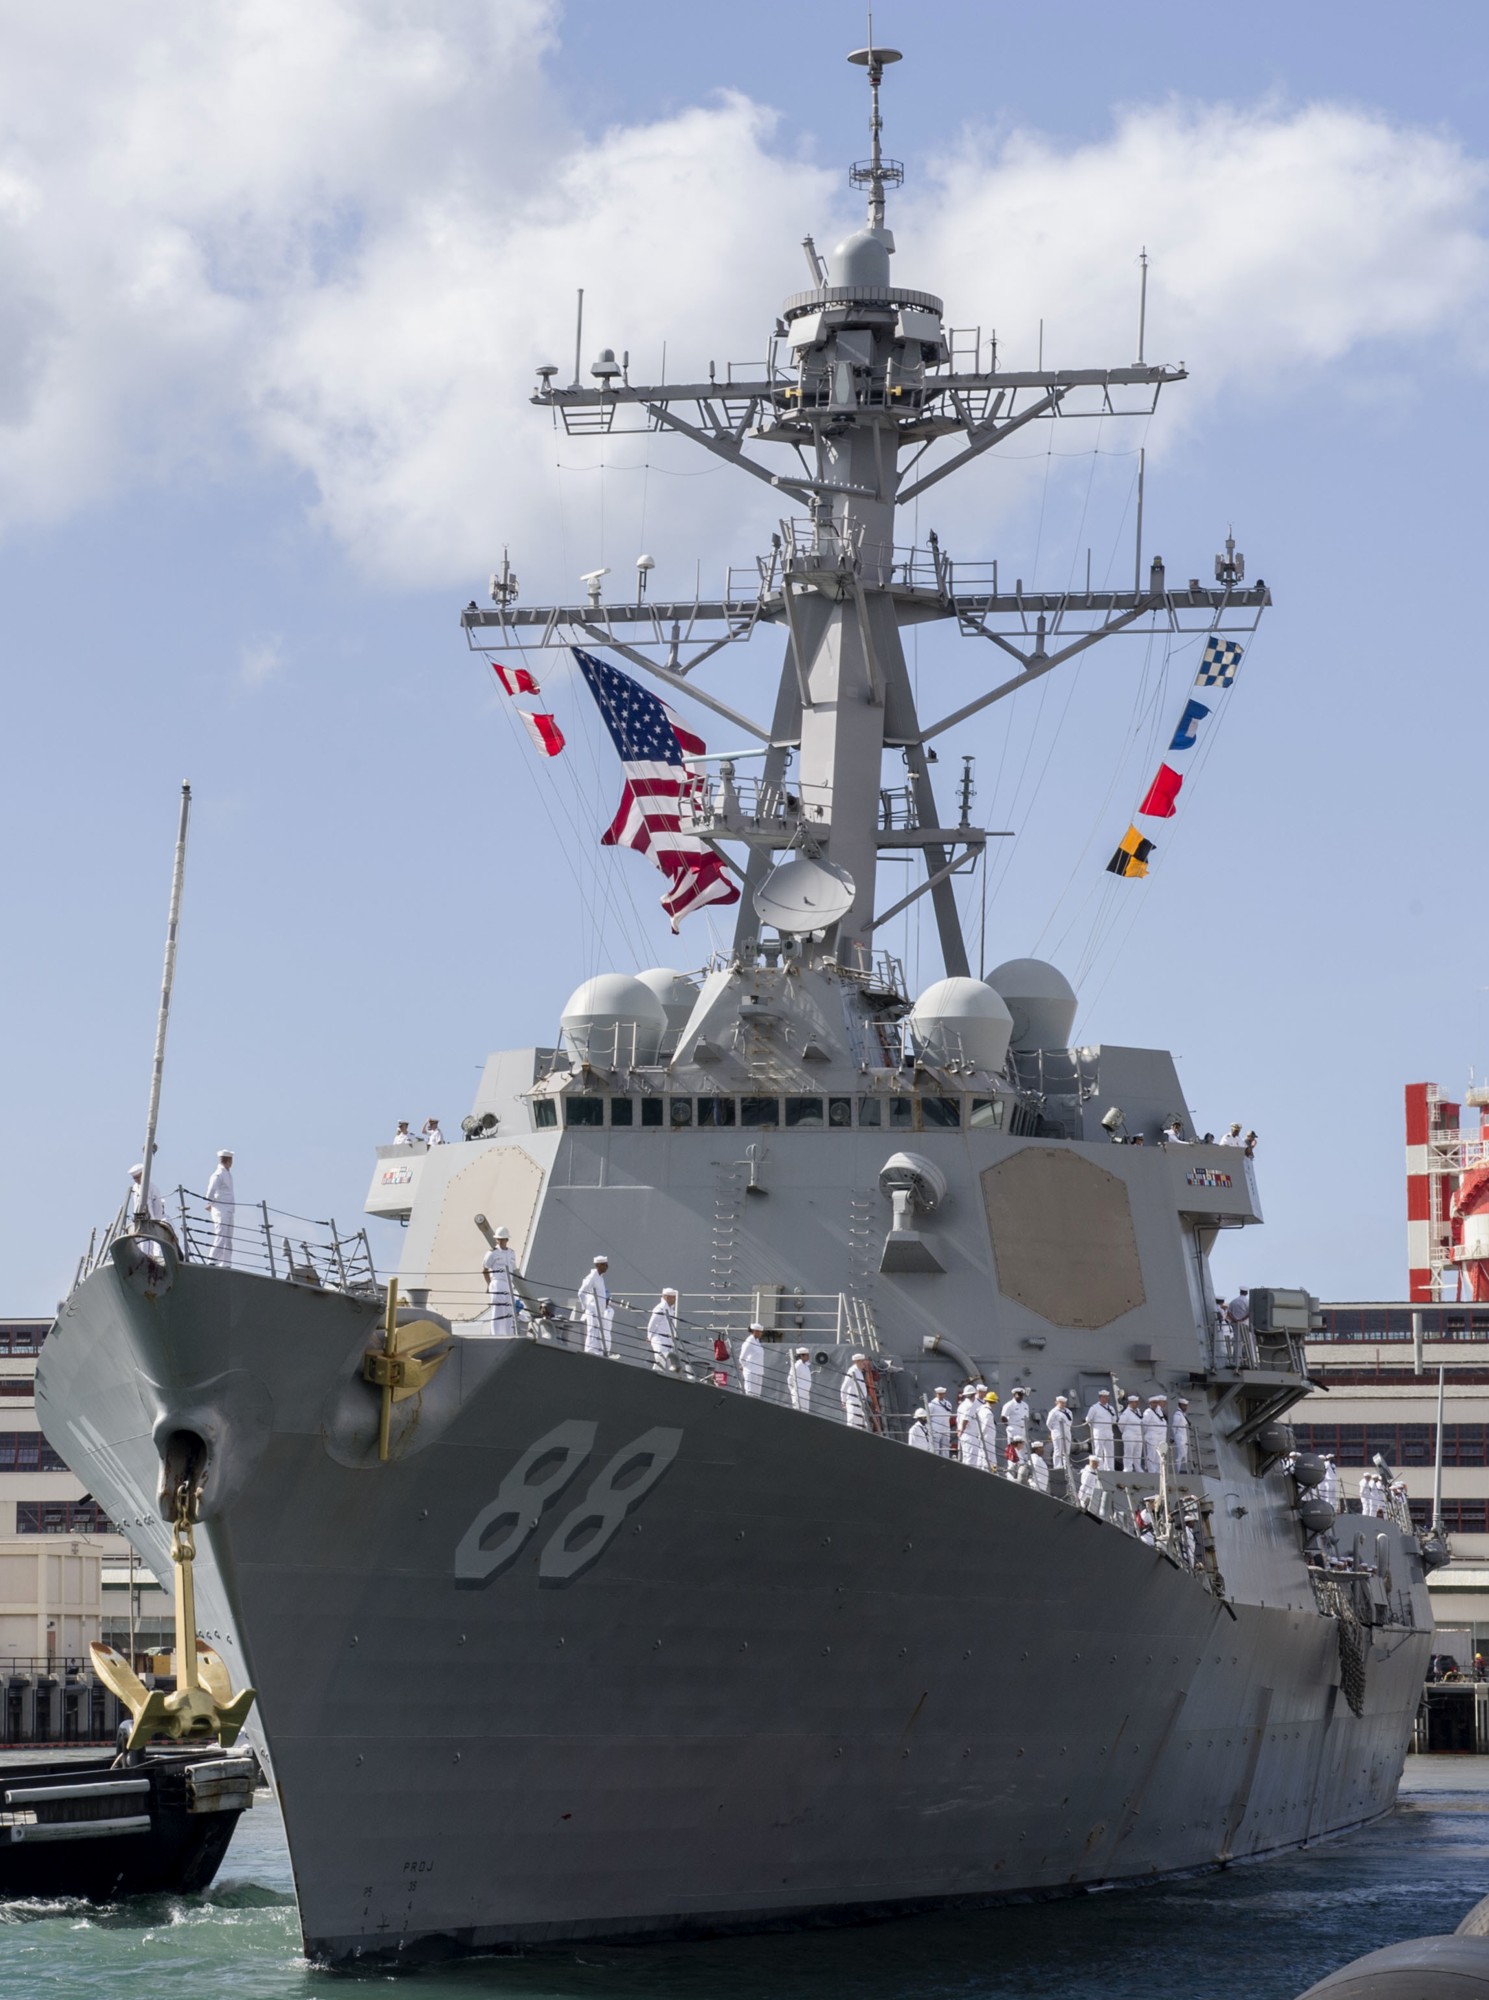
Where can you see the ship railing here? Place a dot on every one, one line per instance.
(273, 1242)
(1232, 1345)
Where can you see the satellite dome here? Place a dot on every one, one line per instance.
(678, 996)
(1041, 1000)
(860, 259)
(961, 1021)
(614, 1022)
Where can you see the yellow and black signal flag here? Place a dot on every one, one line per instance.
(1131, 857)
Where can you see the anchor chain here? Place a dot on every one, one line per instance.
(203, 1707)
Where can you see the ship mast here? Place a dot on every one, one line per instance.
(863, 383)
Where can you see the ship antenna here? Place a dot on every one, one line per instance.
(875, 173)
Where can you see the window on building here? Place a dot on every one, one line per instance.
(584, 1111)
(621, 1110)
(22, 1339)
(651, 1111)
(62, 1517)
(759, 1111)
(545, 1113)
(804, 1111)
(28, 1451)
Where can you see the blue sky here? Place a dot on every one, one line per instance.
(275, 280)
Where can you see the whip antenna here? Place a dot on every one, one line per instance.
(167, 980)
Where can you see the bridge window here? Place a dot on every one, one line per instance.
(679, 1111)
(759, 1111)
(938, 1114)
(622, 1111)
(804, 1111)
(545, 1114)
(716, 1111)
(584, 1111)
(651, 1111)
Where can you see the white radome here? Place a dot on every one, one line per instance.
(1041, 1000)
(614, 1021)
(961, 1021)
(677, 993)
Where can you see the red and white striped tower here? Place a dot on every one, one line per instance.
(1434, 1160)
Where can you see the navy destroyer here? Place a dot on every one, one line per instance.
(598, 1614)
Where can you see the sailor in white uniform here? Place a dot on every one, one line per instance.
(500, 1267)
(1179, 1432)
(1016, 1425)
(987, 1422)
(1329, 1485)
(938, 1415)
(1038, 1471)
(854, 1395)
(403, 1136)
(1092, 1493)
(1155, 1433)
(1232, 1137)
(661, 1333)
(918, 1437)
(1058, 1425)
(970, 1445)
(432, 1134)
(220, 1206)
(799, 1381)
(1130, 1424)
(154, 1207)
(752, 1360)
(1101, 1421)
(599, 1313)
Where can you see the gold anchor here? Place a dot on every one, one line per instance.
(203, 1707)
(403, 1364)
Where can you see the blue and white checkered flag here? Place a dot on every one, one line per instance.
(1218, 662)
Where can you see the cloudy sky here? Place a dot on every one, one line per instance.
(273, 282)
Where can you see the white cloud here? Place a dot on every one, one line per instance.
(342, 235)
(260, 660)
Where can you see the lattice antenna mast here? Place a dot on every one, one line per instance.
(866, 400)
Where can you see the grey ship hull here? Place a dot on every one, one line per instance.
(807, 1675)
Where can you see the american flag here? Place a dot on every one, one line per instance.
(652, 743)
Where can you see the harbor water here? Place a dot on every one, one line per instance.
(1264, 1931)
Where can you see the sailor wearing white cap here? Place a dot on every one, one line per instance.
(1130, 1424)
(500, 1268)
(1328, 1487)
(1016, 1416)
(1038, 1471)
(403, 1136)
(800, 1381)
(752, 1360)
(919, 1435)
(220, 1206)
(1101, 1419)
(154, 1208)
(661, 1333)
(1057, 1423)
(1155, 1433)
(599, 1313)
(432, 1134)
(1178, 1428)
(938, 1415)
(970, 1445)
(1092, 1493)
(854, 1394)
